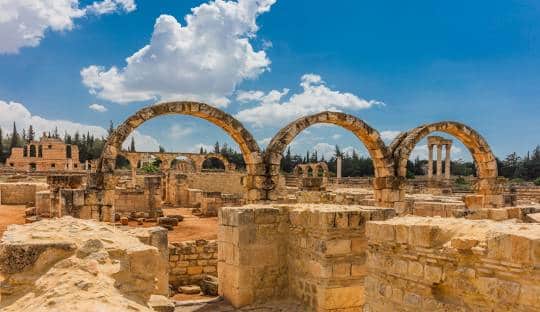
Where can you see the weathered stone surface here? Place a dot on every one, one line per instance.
(190, 289)
(72, 264)
(470, 265)
(209, 285)
(161, 304)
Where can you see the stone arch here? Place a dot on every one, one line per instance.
(223, 159)
(484, 158)
(385, 184)
(248, 146)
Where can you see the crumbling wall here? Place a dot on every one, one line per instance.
(446, 264)
(189, 261)
(20, 193)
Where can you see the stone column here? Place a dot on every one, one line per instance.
(430, 162)
(133, 161)
(439, 161)
(338, 169)
(447, 162)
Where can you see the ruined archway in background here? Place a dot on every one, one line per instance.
(213, 163)
(244, 139)
(484, 158)
(386, 187)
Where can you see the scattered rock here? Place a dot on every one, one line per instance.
(140, 221)
(180, 218)
(30, 211)
(32, 219)
(209, 285)
(124, 221)
(533, 217)
(161, 304)
(167, 221)
(190, 290)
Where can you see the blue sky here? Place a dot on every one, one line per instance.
(266, 62)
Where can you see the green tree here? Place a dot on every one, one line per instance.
(15, 140)
(111, 128)
(132, 145)
(31, 133)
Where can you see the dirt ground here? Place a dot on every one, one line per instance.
(191, 228)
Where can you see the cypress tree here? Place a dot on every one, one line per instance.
(14, 137)
(132, 147)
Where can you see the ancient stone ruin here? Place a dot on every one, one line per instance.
(316, 241)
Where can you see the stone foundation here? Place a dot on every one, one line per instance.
(444, 264)
(190, 261)
(315, 253)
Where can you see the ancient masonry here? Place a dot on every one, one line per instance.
(361, 250)
(48, 154)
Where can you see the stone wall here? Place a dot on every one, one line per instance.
(127, 201)
(327, 255)
(252, 264)
(20, 193)
(445, 264)
(525, 193)
(224, 182)
(315, 253)
(189, 261)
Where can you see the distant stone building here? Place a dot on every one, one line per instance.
(47, 154)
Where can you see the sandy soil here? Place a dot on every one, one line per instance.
(191, 228)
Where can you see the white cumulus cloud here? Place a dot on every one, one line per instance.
(315, 97)
(16, 112)
(202, 60)
(389, 135)
(24, 23)
(98, 108)
(177, 131)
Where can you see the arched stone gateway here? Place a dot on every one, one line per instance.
(487, 186)
(386, 186)
(249, 147)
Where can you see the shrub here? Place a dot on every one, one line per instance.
(537, 181)
(150, 168)
(461, 181)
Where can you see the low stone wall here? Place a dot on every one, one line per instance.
(224, 182)
(20, 193)
(315, 253)
(189, 261)
(525, 193)
(339, 198)
(445, 264)
(129, 200)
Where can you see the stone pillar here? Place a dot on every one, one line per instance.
(251, 255)
(447, 162)
(338, 169)
(133, 161)
(439, 161)
(430, 162)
